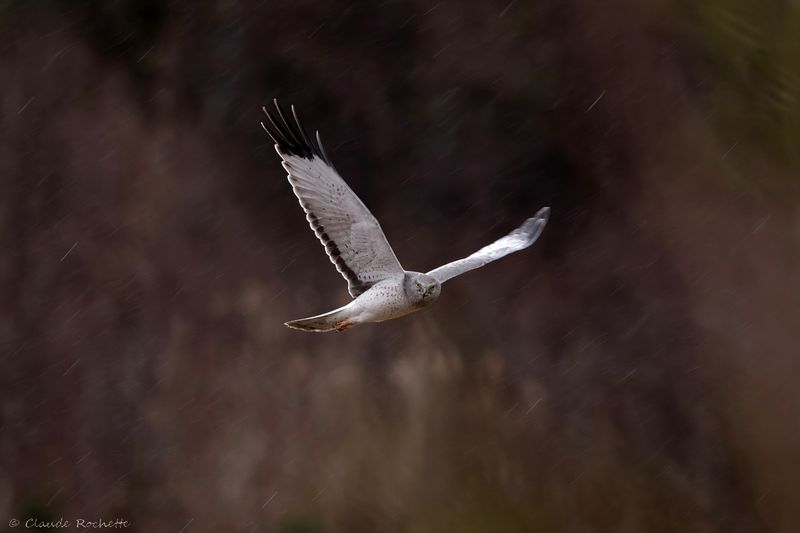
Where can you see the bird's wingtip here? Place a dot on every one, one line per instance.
(533, 226)
(543, 213)
(288, 133)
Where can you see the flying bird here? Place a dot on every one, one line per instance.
(354, 241)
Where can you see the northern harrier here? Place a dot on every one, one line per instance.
(355, 243)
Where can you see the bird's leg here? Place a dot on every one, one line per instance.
(343, 325)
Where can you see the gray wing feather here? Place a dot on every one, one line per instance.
(352, 237)
(517, 240)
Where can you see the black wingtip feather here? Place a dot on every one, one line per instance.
(290, 136)
(295, 138)
(303, 131)
(322, 149)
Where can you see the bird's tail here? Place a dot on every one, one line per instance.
(330, 321)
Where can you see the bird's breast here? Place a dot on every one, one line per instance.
(384, 301)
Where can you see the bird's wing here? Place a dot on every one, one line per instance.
(351, 235)
(517, 240)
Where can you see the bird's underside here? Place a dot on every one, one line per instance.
(354, 240)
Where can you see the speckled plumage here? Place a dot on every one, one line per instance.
(354, 240)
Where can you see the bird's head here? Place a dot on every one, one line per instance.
(421, 289)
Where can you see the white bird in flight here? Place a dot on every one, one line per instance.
(355, 243)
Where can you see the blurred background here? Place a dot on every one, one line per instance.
(637, 370)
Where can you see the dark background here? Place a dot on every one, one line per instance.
(635, 371)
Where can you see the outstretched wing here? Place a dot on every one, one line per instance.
(352, 237)
(517, 240)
